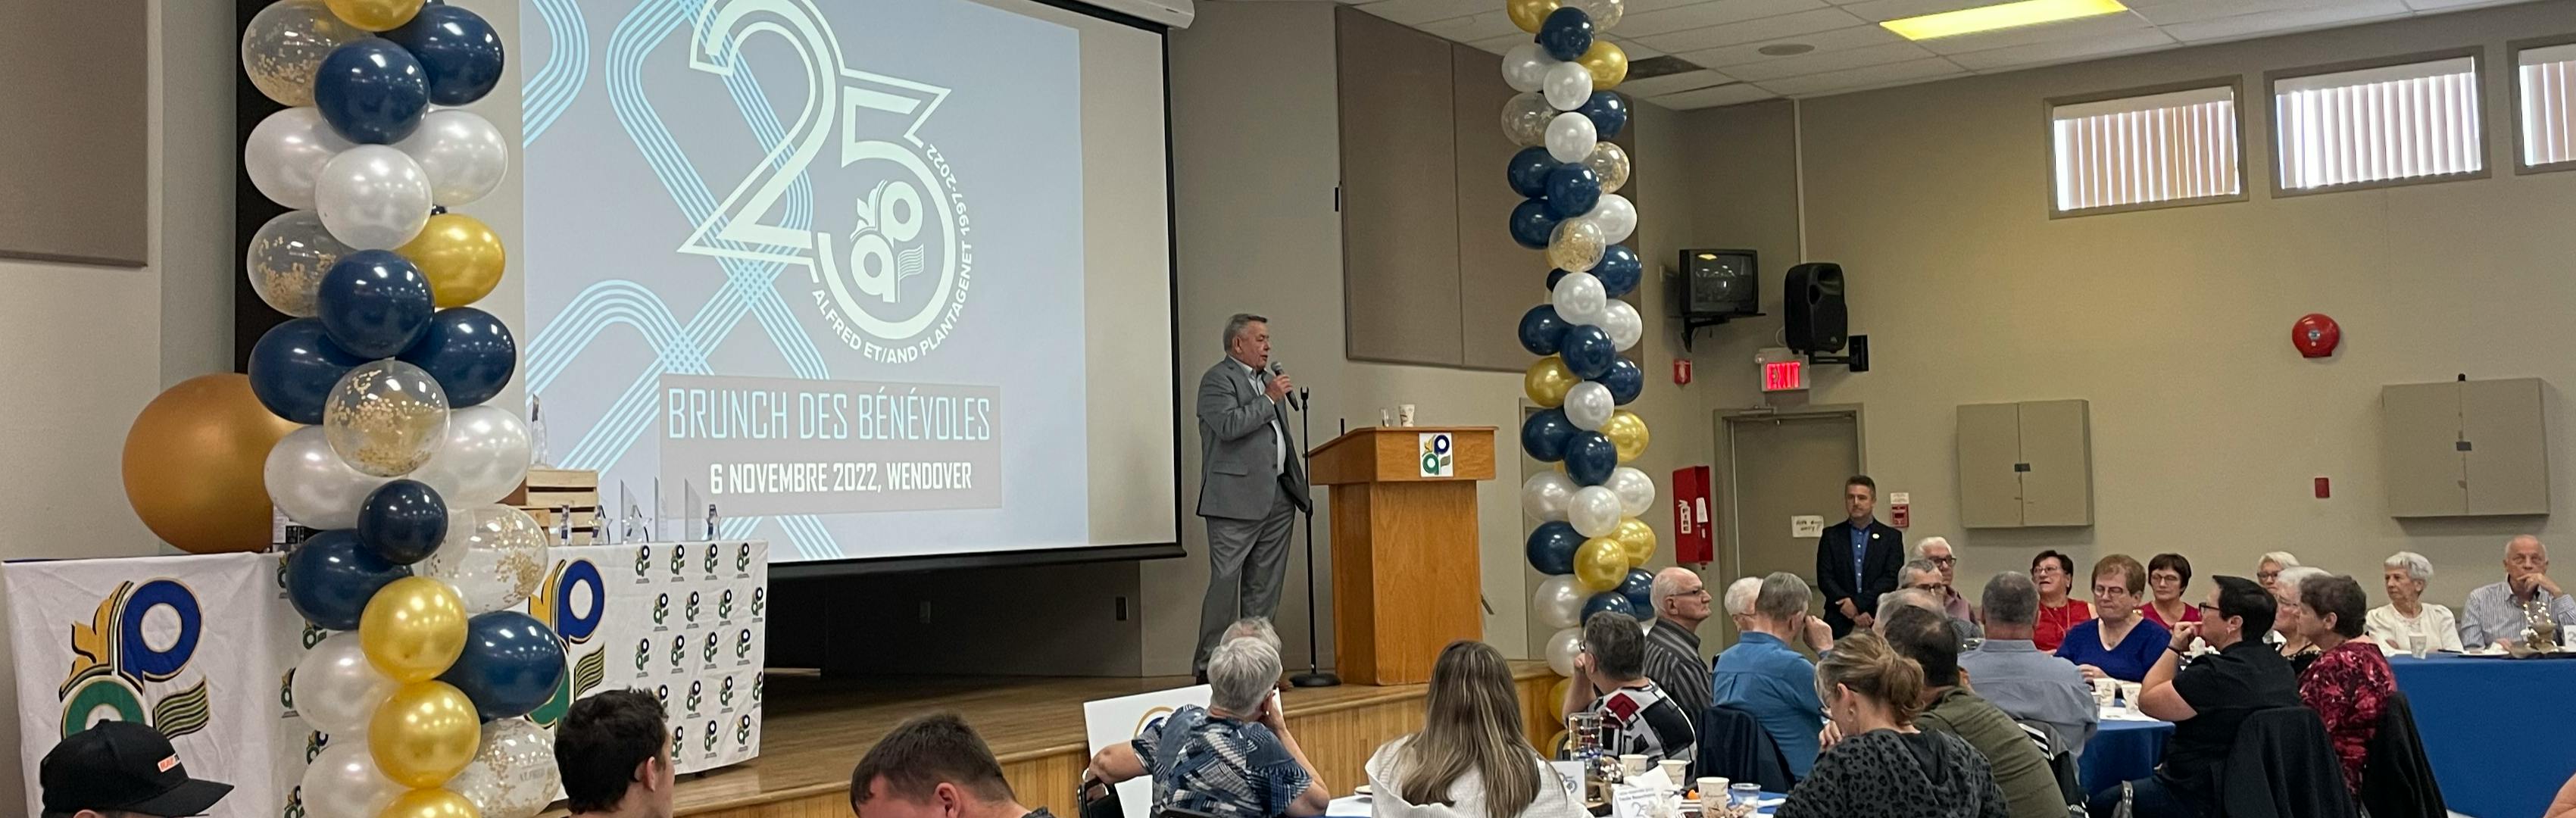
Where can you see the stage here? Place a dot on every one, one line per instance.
(816, 729)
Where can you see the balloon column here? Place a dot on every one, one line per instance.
(385, 369)
(1591, 542)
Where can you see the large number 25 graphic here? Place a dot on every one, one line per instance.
(887, 245)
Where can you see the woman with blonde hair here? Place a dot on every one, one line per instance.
(1471, 759)
(1877, 764)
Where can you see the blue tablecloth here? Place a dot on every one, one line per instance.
(2122, 751)
(2496, 729)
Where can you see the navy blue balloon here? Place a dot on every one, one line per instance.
(511, 664)
(1531, 223)
(1626, 379)
(1608, 602)
(1566, 34)
(330, 577)
(374, 303)
(402, 522)
(293, 368)
(1619, 270)
(1551, 547)
(1528, 171)
(1589, 458)
(1572, 190)
(1554, 276)
(1588, 351)
(1608, 112)
(459, 52)
(371, 91)
(1544, 434)
(1540, 329)
(469, 352)
(1639, 588)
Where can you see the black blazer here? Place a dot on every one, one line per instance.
(1834, 570)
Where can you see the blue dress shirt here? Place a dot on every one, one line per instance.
(1860, 554)
(1767, 678)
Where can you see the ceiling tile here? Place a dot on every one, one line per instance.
(1474, 27)
(2273, 22)
(1673, 83)
(2062, 50)
(1859, 78)
(1501, 43)
(1819, 62)
(2454, 5)
(2097, 26)
(1712, 97)
(1643, 25)
(1417, 12)
(2193, 11)
(1636, 50)
(1753, 31)
(1835, 40)
(1876, 10)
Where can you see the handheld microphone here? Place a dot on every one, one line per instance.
(1277, 369)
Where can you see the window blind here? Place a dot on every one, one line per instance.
(2547, 83)
(2391, 122)
(2137, 150)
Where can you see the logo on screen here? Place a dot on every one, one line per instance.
(885, 252)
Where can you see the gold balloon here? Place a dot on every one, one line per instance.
(1608, 64)
(1636, 540)
(1555, 743)
(424, 734)
(1547, 381)
(431, 803)
(1626, 431)
(1558, 693)
(374, 15)
(1600, 564)
(461, 257)
(413, 629)
(193, 462)
(1530, 14)
(1610, 162)
(284, 45)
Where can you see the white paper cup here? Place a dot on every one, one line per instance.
(1404, 414)
(1634, 764)
(1712, 797)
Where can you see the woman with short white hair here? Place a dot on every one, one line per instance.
(2407, 623)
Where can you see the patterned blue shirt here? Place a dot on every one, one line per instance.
(2493, 613)
(1860, 556)
(1219, 766)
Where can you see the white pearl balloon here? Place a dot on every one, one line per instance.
(343, 780)
(285, 155)
(373, 197)
(1545, 495)
(1525, 67)
(1579, 298)
(336, 689)
(1589, 406)
(1616, 217)
(1568, 86)
(1559, 601)
(463, 154)
(1561, 649)
(1594, 512)
(1623, 324)
(483, 459)
(309, 481)
(1636, 490)
(1570, 137)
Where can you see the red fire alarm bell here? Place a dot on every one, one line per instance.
(1681, 371)
(2315, 335)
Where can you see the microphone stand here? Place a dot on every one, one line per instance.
(1314, 675)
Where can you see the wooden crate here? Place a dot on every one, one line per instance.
(547, 490)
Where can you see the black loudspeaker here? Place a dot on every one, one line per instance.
(1720, 284)
(1817, 320)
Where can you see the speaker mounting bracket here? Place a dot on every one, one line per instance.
(1692, 326)
(1855, 355)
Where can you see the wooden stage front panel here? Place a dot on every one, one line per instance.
(817, 729)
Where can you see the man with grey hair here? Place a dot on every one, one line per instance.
(1610, 679)
(2010, 671)
(1672, 642)
(1919, 582)
(1252, 483)
(1233, 758)
(2495, 614)
(1763, 676)
(1937, 550)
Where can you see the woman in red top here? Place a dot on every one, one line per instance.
(2168, 575)
(2350, 682)
(2054, 573)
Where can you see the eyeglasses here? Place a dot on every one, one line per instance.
(1701, 592)
(2110, 590)
(1945, 560)
(2209, 609)
(1927, 586)
(2266, 576)
(2049, 570)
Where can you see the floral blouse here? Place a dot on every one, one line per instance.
(2349, 688)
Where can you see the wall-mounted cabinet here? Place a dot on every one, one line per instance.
(2025, 464)
(2465, 448)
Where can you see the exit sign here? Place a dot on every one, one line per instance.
(1784, 376)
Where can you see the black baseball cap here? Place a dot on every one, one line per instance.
(125, 767)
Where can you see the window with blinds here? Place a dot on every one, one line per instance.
(2546, 82)
(2171, 148)
(2397, 123)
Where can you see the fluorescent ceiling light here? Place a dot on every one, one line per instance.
(2002, 15)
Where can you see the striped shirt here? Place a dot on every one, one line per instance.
(2493, 613)
(1674, 664)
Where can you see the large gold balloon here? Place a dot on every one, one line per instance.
(1559, 692)
(430, 803)
(1626, 431)
(1636, 540)
(1608, 64)
(1529, 14)
(285, 43)
(461, 257)
(413, 629)
(193, 463)
(423, 734)
(374, 15)
(1547, 381)
(1601, 563)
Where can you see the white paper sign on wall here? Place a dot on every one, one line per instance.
(1807, 526)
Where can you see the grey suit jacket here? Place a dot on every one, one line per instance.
(1238, 457)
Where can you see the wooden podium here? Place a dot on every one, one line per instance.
(1406, 571)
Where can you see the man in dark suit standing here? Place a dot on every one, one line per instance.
(1252, 482)
(1856, 559)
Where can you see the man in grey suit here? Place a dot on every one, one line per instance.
(1252, 482)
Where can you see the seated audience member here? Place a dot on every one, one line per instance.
(2207, 701)
(1937, 549)
(2054, 574)
(2494, 613)
(1739, 601)
(2019, 768)
(121, 769)
(2168, 581)
(1923, 577)
(1233, 758)
(2350, 682)
(615, 755)
(2407, 622)
(2268, 570)
(2287, 613)
(1610, 679)
(2117, 643)
(1253, 627)
(1767, 678)
(1471, 759)
(933, 766)
(2012, 673)
(1673, 661)
(1881, 765)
